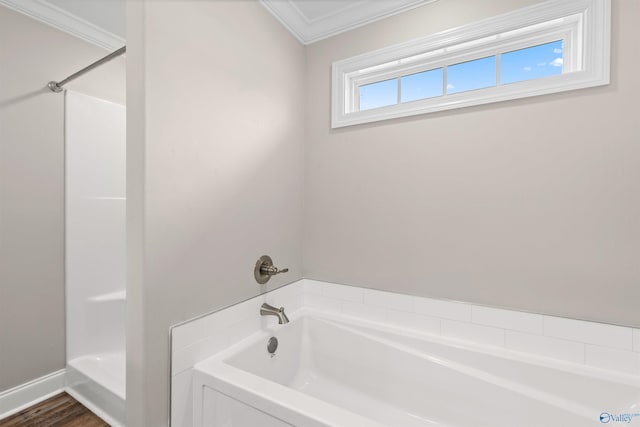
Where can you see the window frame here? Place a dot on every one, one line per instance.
(583, 25)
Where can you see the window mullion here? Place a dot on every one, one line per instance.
(444, 80)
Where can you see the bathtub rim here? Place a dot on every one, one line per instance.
(500, 352)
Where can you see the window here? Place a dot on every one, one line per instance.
(381, 94)
(426, 84)
(551, 47)
(471, 75)
(533, 62)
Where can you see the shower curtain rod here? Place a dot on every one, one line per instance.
(57, 86)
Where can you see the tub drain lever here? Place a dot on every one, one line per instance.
(265, 269)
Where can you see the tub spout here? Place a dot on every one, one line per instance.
(268, 310)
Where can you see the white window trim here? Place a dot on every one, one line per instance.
(588, 64)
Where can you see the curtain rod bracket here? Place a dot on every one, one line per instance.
(54, 87)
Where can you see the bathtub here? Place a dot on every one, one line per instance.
(338, 371)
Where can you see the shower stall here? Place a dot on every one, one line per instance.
(95, 236)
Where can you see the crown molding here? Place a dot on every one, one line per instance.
(351, 16)
(49, 14)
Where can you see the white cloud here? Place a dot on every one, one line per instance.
(541, 64)
(557, 50)
(450, 86)
(527, 69)
(556, 62)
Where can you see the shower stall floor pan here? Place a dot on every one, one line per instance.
(107, 369)
(98, 382)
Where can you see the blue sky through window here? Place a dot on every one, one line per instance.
(421, 85)
(379, 94)
(519, 65)
(531, 63)
(471, 75)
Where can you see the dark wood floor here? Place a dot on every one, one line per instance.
(61, 410)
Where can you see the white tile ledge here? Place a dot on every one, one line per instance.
(540, 336)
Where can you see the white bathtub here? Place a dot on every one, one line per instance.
(339, 372)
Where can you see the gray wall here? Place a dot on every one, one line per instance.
(32, 189)
(531, 204)
(215, 171)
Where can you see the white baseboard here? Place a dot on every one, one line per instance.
(21, 397)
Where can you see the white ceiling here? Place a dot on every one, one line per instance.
(102, 22)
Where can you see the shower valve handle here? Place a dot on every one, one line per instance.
(270, 270)
(265, 269)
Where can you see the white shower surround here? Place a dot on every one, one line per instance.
(95, 248)
(585, 351)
